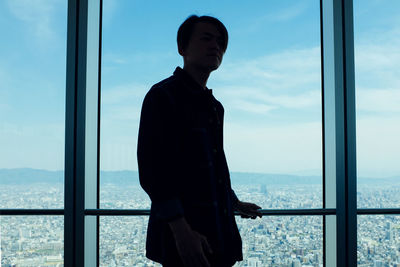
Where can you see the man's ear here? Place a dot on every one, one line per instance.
(180, 51)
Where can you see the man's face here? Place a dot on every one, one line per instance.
(205, 48)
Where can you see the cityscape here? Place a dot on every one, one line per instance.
(268, 241)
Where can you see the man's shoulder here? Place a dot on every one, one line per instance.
(165, 91)
(168, 85)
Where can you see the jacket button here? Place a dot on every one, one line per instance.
(215, 150)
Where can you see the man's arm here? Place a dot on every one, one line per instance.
(158, 161)
(245, 209)
(158, 154)
(234, 198)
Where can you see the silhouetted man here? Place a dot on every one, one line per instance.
(182, 165)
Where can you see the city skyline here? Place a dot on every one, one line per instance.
(269, 241)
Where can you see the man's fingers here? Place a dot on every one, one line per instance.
(203, 260)
(206, 245)
(198, 259)
(251, 214)
(255, 210)
(255, 207)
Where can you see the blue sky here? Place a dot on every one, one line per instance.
(269, 81)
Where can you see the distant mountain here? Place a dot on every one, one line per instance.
(272, 179)
(29, 176)
(119, 177)
(379, 181)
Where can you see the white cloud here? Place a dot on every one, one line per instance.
(377, 72)
(124, 93)
(113, 58)
(378, 64)
(378, 100)
(290, 69)
(378, 146)
(291, 12)
(252, 107)
(119, 154)
(289, 80)
(124, 113)
(4, 79)
(245, 97)
(122, 103)
(38, 16)
(109, 9)
(288, 13)
(274, 149)
(38, 146)
(295, 147)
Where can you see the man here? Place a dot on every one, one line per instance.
(181, 160)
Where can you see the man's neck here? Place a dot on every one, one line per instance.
(199, 76)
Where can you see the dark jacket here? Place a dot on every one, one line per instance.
(183, 169)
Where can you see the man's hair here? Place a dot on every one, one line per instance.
(187, 27)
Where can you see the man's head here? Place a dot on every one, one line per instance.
(202, 41)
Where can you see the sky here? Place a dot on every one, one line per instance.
(269, 81)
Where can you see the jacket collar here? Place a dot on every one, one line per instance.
(189, 82)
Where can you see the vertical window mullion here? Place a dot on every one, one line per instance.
(340, 230)
(91, 138)
(81, 151)
(350, 131)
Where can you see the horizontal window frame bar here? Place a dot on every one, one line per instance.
(146, 212)
(265, 212)
(378, 211)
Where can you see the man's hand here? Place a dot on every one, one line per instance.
(248, 210)
(190, 244)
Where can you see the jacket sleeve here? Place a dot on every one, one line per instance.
(234, 198)
(157, 154)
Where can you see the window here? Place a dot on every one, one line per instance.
(377, 53)
(269, 84)
(32, 131)
(313, 222)
(377, 50)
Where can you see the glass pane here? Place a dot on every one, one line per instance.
(270, 241)
(378, 240)
(32, 103)
(269, 84)
(32, 240)
(377, 77)
(123, 241)
(281, 241)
